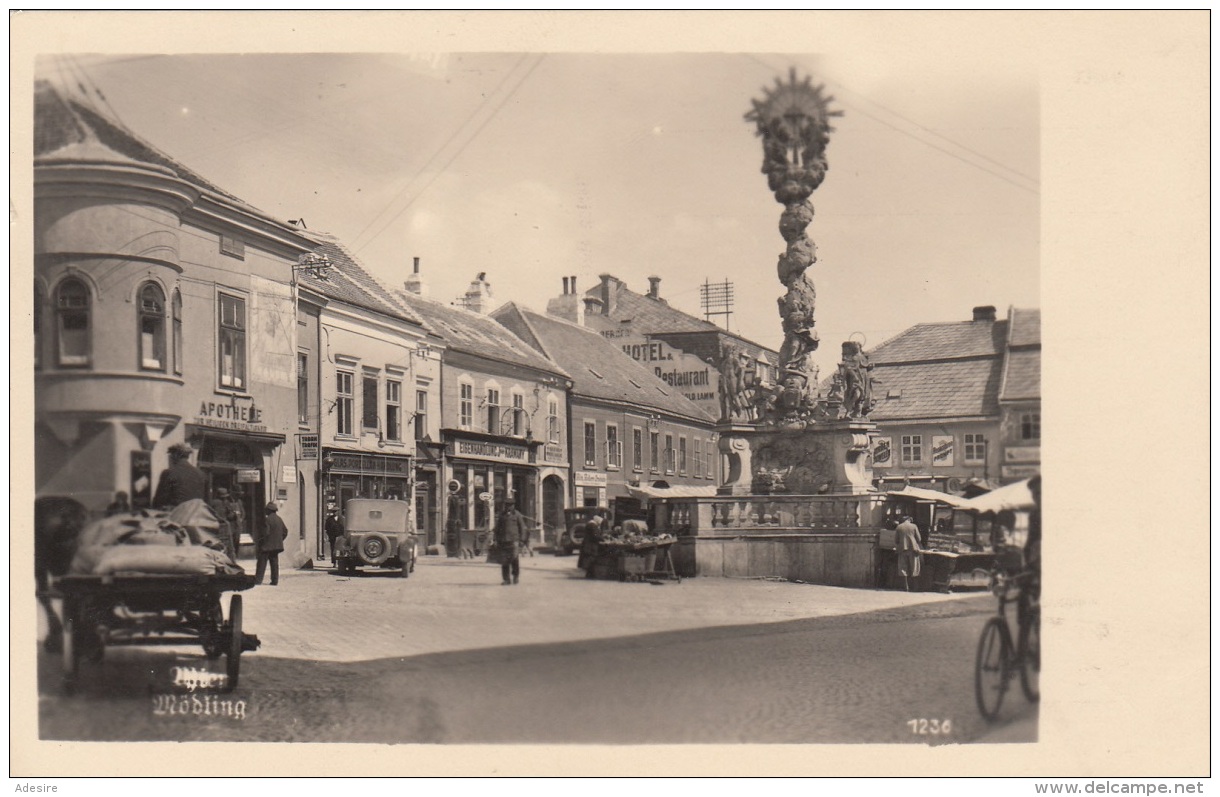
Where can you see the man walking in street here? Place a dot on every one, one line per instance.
(909, 555)
(181, 481)
(220, 508)
(270, 543)
(512, 533)
(334, 530)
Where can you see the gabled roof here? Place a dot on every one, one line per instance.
(347, 281)
(473, 333)
(598, 369)
(67, 129)
(957, 369)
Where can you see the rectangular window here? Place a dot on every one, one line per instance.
(637, 450)
(697, 463)
(368, 407)
(518, 415)
(654, 451)
(466, 406)
(1031, 426)
(177, 313)
(232, 342)
(614, 447)
(421, 414)
(302, 389)
(682, 455)
(671, 456)
(975, 446)
(393, 410)
(344, 401)
(553, 431)
(590, 444)
(912, 449)
(493, 411)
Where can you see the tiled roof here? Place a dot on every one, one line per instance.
(1024, 377)
(924, 342)
(597, 367)
(1026, 328)
(347, 281)
(951, 389)
(473, 333)
(67, 129)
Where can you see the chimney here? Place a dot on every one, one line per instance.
(415, 283)
(654, 287)
(478, 295)
(984, 313)
(568, 306)
(609, 294)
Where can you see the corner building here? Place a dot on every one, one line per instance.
(163, 313)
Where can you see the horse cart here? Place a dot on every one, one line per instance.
(152, 609)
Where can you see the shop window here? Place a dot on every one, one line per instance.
(302, 388)
(232, 343)
(466, 405)
(368, 404)
(176, 311)
(38, 300)
(393, 410)
(654, 451)
(72, 305)
(421, 414)
(912, 449)
(1031, 426)
(152, 328)
(974, 448)
(614, 447)
(590, 444)
(637, 450)
(344, 401)
(493, 411)
(682, 455)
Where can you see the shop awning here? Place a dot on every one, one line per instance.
(675, 491)
(921, 494)
(1014, 497)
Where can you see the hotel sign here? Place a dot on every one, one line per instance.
(499, 452)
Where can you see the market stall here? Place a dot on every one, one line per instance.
(630, 553)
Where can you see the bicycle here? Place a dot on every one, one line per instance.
(998, 660)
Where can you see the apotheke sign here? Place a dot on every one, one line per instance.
(231, 415)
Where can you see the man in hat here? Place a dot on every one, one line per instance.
(181, 481)
(909, 552)
(270, 543)
(512, 534)
(220, 508)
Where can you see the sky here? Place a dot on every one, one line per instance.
(533, 166)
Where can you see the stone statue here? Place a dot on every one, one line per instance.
(734, 392)
(856, 371)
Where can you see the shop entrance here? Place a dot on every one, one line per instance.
(237, 467)
(552, 508)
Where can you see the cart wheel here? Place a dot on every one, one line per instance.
(71, 663)
(212, 632)
(234, 662)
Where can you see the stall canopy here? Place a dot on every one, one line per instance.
(1013, 497)
(664, 490)
(921, 494)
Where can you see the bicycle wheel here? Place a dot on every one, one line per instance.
(991, 667)
(1031, 659)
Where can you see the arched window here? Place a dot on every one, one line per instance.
(177, 311)
(152, 327)
(38, 300)
(72, 305)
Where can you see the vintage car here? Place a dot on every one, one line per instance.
(377, 533)
(575, 521)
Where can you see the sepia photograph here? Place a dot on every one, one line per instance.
(387, 380)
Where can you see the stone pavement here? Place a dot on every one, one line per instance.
(454, 605)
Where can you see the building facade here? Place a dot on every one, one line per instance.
(503, 420)
(151, 286)
(628, 428)
(957, 402)
(368, 377)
